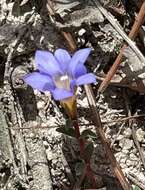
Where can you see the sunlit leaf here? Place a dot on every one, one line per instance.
(88, 151)
(19, 10)
(67, 131)
(88, 133)
(69, 123)
(136, 188)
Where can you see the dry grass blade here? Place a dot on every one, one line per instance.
(134, 178)
(132, 126)
(133, 33)
(124, 119)
(136, 181)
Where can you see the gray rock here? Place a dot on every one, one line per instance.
(126, 143)
(127, 133)
(140, 134)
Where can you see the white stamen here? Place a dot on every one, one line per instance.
(62, 82)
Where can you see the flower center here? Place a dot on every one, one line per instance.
(62, 82)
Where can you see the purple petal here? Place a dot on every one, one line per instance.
(46, 63)
(79, 70)
(72, 84)
(79, 57)
(39, 81)
(86, 79)
(63, 58)
(60, 94)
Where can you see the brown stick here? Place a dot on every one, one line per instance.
(99, 129)
(132, 35)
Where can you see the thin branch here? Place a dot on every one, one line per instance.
(99, 130)
(133, 33)
(116, 136)
(138, 145)
(124, 119)
(134, 131)
(136, 181)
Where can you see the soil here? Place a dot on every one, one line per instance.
(33, 155)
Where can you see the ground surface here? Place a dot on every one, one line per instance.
(38, 157)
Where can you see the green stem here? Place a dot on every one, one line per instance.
(81, 142)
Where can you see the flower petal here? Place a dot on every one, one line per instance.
(39, 81)
(63, 57)
(73, 84)
(86, 79)
(79, 70)
(79, 57)
(46, 63)
(60, 94)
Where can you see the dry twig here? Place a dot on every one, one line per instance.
(131, 124)
(99, 129)
(124, 119)
(136, 181)
(133, 33)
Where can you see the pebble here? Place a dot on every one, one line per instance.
(129, 163)
(123, 165)
(127, 133)
(141, 177)
(46, 144)
(126, 143)
(81, 32)
(140, 134)
(55, 161)
(40, 105)
(133, 157)
(49, 155)
(125, 151)
(120, 137)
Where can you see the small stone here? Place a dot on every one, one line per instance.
(125, 151)
(53, 171)
(126, 143)
(140, 134)
(127, 133)
(64, 180)
(134, 170)
(81, 32)
(49, 155)
(134, 151)
(123, 166)
(118, 156)
(31, 135)
(45, 143)
(54, 161)
(141, 177)
(120, 137)
(123, 160)
(133, 157)
(129, 163)
(40, 105)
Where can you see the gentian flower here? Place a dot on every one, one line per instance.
(60, 73)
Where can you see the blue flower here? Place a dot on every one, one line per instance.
(60, 73)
